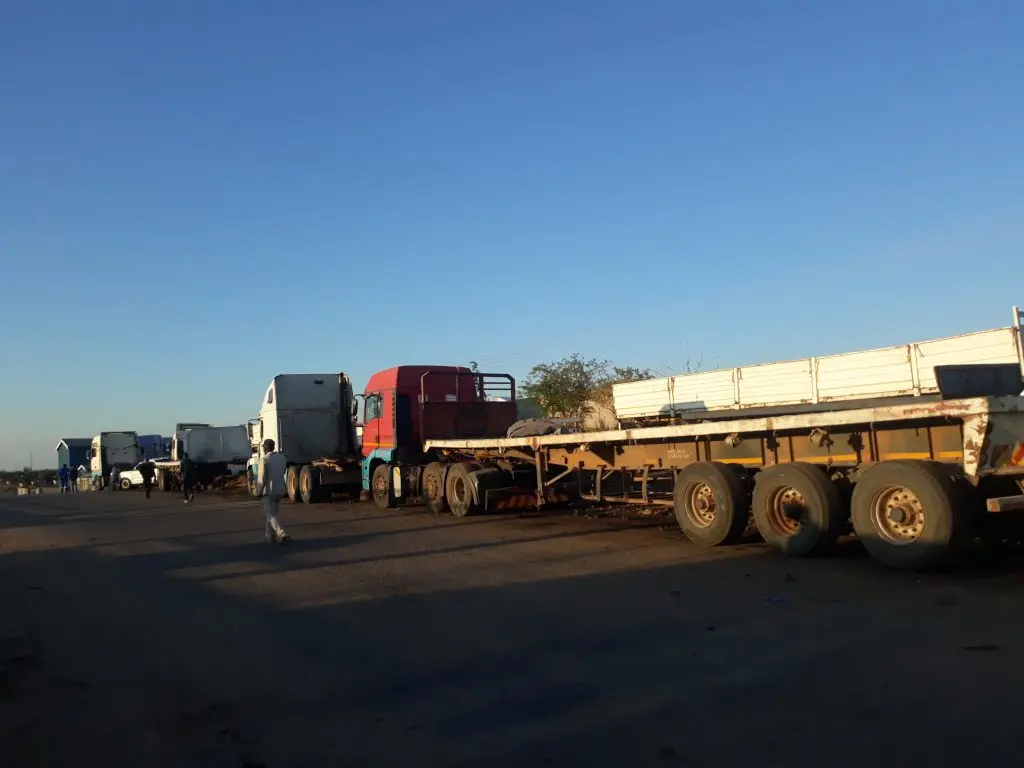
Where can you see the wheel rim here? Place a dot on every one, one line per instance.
(786, 506)
(431, 486)
(898, 515)
(701, 505)
(459, 490)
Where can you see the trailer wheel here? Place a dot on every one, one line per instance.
(909, 514)
(252, 481)
(797, 508)
(380, 486)
(712, 504)
(459, 490)
(433, 482)
(165, 481)
(309, 484)
(291, 484)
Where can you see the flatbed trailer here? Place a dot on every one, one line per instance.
(912, 480)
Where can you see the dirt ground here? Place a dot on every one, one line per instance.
(152, 633)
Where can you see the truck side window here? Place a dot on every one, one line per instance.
(373, 409)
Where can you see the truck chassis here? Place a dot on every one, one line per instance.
(913, 480)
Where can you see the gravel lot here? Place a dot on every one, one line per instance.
(152, 633)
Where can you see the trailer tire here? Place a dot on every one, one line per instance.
(291, 484)
(309, 484)
(252, 481)
(798, 509)
(433, 487)
(712, 503)
(909, 514)
(459, 490)
(165, 481)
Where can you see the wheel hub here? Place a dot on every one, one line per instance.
(786, 510)
(898, 515)
(702, 507)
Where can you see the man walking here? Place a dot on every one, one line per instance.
(270, 486)
(148, 471)
(73, 478)
(64, 477)
(188, 477)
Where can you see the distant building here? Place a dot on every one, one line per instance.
(73, 451)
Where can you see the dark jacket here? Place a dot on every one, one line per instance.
(148, 471)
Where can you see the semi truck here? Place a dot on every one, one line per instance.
(311, 419)
(912, 448)
(214, 452)
(109, 450)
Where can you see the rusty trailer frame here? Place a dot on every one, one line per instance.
(982, 436)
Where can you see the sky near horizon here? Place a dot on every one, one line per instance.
(197, 196)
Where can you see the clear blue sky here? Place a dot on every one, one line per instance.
(196, 196)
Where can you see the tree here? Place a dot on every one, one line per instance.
(567, 388)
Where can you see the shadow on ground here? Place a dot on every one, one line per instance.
(736, 660)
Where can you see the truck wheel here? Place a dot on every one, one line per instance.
(433, 488)
(797, 508)
(458, 489)
(164, 482)
(380, 485)
(908, 514)
(291, 484)
(309, 484)
(711, 502)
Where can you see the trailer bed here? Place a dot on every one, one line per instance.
(992, 431)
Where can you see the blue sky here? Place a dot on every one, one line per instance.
(196, 196)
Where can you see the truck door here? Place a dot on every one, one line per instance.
(373, 409)
(402, 423)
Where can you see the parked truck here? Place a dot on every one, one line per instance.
(215, 452)
(311, 419)
(913, 448)
(109, 450)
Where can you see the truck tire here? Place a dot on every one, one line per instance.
(380, 487)
(909, 514)
(712, 503)
(433, 486)
(291, 484)
(309, 484)
(798, 509)
(164, 482)
(459, 491)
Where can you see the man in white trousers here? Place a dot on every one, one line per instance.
(270, 486)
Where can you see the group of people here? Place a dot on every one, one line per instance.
(68, 478)
(270, 485)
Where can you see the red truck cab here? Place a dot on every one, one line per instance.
(408, 404)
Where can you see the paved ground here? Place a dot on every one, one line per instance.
(157, 634)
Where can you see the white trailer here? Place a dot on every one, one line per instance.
(906, 371)
(214, 451)
(914, 471)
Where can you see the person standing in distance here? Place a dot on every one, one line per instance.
(270, 486)
(188, 477)
(148, 471)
